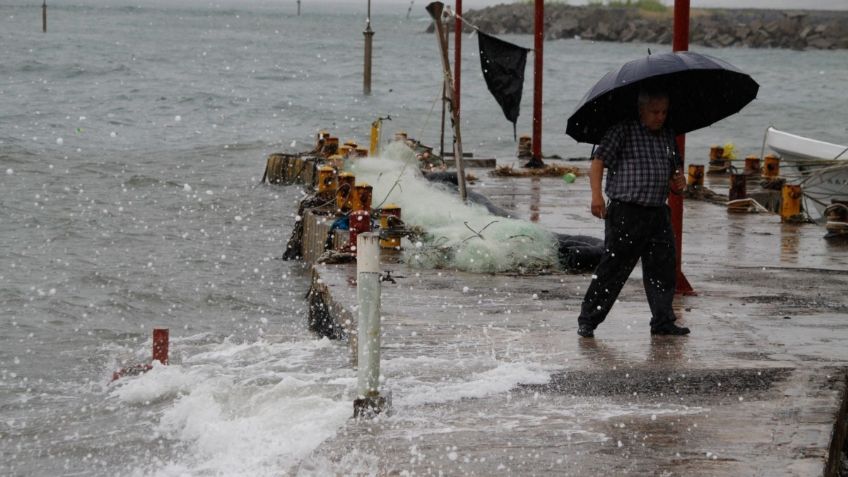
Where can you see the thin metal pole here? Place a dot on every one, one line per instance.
(44, 17)
(444, 104)
(368, 322)
(442, 136)
(368, 402)
(675, 202)
(538, 56)
(435, 9)
(298, 7)
(457, 57)
(369, 35)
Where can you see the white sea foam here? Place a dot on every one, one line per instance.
(254, 408)
(500, 379)
(458, 235)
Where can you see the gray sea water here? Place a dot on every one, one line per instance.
(132, 142)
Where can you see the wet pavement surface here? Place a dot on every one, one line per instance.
(756, 389)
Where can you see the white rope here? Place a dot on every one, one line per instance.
(452, 13)
(427, 118)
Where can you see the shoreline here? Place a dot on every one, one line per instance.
(753, 28)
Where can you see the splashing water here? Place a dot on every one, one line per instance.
(459, 236)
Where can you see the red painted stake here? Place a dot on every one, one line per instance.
(160, 345)
(538, 42)
(680, 43)
(160, 353)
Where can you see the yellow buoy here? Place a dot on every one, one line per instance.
(361, 199)
(752, 165)
(330, 147)
(344, 191)
(695, 177)
(389, 210)
(738, 188)
(327, 182)
(790, 204)
(772, 166)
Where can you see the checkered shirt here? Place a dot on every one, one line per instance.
(639, 163)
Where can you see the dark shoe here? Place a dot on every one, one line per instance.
(585, 331)
(670, 329)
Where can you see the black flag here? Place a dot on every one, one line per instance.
(503, 67)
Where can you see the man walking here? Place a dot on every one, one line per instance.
(642, 164)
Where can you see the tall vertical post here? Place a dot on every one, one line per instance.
(435, 10)
(369, 35)
(368, 401)
(44, 16)
(680, 43)
(538, 56)
(457, 57)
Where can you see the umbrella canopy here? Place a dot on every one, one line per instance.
(701, 89)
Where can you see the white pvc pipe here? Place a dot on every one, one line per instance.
(368, 326)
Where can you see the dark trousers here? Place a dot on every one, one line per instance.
(633, 232)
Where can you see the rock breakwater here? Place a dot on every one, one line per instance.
(796, 29)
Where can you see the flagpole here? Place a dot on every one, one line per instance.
(435, 10)
(538, 41)
(675, 202)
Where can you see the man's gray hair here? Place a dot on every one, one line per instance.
(646, 95)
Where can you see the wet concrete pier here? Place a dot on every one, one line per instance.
(758, 388)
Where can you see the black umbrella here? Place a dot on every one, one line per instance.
(701, 90)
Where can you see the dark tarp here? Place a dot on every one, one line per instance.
(503, 67)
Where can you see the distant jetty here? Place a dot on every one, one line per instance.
(792, 29)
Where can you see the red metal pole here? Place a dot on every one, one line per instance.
(160, 345)
(538, 56)
(680, 43)
(457, 57)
